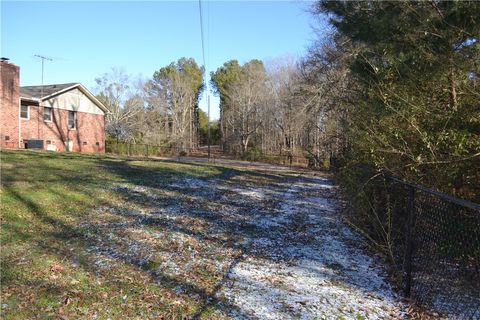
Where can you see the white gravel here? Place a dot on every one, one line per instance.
(298, 260)
(300, 267)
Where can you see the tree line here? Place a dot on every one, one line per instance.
(412, 103)
(160, 111)
(393, 87)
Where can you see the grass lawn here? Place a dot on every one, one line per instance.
(101, 237)
(79, 238)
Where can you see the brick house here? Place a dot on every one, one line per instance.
(59, 117)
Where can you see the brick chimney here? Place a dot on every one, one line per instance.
(9, 104)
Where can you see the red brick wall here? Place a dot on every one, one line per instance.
(9, 93)
(90, 130)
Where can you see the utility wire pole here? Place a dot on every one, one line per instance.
(205, 76)
(41, 90)
(208, 135)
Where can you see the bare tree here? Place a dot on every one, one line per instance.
(174, 93)
(123, 101)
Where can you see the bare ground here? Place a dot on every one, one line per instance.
(257, 245)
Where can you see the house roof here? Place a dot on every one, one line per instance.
(45, 92)
(39, 92)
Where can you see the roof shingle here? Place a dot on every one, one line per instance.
(35, 92)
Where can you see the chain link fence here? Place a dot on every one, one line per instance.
(436, 245)
(146, 150)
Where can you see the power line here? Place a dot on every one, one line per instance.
(208, 32)
(201, 32)
(205, 76)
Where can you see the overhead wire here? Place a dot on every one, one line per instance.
(201, 33)
(207, 96)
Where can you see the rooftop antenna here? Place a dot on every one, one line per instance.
(41, 90)
(43, 62)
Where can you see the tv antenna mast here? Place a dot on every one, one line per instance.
(41, 88)
(43, 62)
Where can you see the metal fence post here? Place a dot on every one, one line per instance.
(409, 241)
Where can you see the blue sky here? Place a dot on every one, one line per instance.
(87, 39)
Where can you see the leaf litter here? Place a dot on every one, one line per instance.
(251, 246)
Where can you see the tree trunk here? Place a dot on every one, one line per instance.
(451, 79)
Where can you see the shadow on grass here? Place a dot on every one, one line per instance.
(41, 173)
(65, 233)
(88, 174)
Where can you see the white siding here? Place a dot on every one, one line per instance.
(74, 100)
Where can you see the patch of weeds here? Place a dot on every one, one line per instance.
(359, 317)
(297, 316)
(334, 266)
(220, 258)
(249, 228)
(151, 265)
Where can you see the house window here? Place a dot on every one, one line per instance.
(84, 143)
(24, 112)
(98, 143)
(72, 119)
(47, 114)
(7, 138)
(49, 142)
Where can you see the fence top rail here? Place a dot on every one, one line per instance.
(200, 148)
(444, 196)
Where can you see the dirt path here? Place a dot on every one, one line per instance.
(299, 264)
